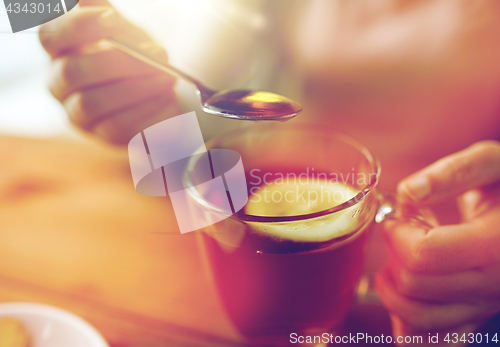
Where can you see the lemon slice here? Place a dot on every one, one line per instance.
(303, 197)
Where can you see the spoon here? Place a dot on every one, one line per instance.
(237, 104)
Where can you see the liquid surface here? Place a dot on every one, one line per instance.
(252, 105)
(303, 197)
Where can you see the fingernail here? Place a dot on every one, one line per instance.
(108, 18)
(417, 188)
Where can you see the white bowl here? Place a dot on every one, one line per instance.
(52, 327)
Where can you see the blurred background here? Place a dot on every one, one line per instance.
(26, 106)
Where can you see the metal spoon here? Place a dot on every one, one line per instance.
(236, 104)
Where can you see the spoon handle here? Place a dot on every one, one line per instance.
(128, 46)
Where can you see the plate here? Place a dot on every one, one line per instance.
(53, 327)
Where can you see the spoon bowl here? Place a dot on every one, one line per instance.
(241, 104)
(251, 105)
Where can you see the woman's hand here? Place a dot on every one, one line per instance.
(105, 91)
(447, 279)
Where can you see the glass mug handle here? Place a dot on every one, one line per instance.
(391, 209)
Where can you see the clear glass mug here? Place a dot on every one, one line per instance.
(270, 285)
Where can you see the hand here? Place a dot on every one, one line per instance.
(105, 91)
(447, 279)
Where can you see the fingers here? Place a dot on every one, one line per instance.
(474, 167)
(77, 72)
(421, 315)
(121, 126)
(465, 286)
(445, 249)
(86, 108)
(79, 27)
(447, 277)
(105, 91)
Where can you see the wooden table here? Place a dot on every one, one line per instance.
(75, 234)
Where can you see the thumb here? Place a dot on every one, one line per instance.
(474, 167)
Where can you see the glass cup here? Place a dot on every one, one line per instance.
(280, 274)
